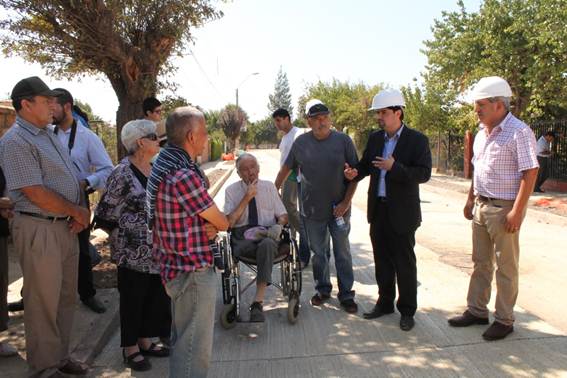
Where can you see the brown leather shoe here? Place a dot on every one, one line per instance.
(467, 319)
(319, 298)
(74, 368)
(497, 331)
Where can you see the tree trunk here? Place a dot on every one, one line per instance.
(131, 95)
(129, 109)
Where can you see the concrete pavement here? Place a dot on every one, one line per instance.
(327, 342)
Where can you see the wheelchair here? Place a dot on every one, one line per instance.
(290, 284)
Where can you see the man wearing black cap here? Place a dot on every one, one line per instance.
(321, 155)
(47, 218)
(92, 167)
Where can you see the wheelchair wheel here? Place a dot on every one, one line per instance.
(293, 310)
(228, 316)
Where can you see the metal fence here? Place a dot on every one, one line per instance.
(447, 149)
(558, 162)
(447, 152)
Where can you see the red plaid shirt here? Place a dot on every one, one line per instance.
(180, 239)
(501, 157)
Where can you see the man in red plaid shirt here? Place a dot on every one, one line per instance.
(184, 217)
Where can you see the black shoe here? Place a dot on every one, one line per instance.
(497, 331)
(350, 306)
(467, 319)
(376, 313)
(155, 351)
(165, 341)
(319, 298)
(142, 365)
(95, 305)
(256, 313)
(16, 306)
(406, 322)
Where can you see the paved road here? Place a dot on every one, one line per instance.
(328, 342)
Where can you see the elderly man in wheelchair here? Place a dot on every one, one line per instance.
(256, 215)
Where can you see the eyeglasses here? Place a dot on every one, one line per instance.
(152, 136)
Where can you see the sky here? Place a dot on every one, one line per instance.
(370, 41)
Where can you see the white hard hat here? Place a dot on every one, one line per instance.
(491, 86)
(386, 98)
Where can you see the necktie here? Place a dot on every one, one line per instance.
(252, 213)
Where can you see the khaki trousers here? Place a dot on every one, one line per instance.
(491, 243)
(49, 255)
(3, 283)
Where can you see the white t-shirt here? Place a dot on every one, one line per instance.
(543, 147)
(287, 142)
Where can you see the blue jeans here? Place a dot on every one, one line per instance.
(319, 234)
(193, 297)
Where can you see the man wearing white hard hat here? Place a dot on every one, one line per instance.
(321, 154)
(505, 170)
(397, 159)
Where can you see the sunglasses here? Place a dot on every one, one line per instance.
(152, 136)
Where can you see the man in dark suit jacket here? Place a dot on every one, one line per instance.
(397, 159)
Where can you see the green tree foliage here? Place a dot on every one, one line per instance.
(281, 98)
(106, 132)
(130, 42)
(261, 132)
(169, 103)
(349, 105)
(524, 41)
(232, 119)
(213, 126)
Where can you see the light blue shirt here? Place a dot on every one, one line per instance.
(389, 147)
(89, 157)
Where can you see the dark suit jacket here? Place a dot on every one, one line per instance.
(412, 167)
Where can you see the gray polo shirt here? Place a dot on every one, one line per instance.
(322, 165)
(32, 156)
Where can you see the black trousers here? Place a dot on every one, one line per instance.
(394, 260)
(145, 308)
(85, 285)
(543, 172)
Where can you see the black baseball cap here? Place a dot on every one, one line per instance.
(316, 107)
(31, 86)
(64, 94)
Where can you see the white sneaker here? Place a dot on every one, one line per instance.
(7, 350)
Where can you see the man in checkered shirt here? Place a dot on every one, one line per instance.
(41, 182)
(184, 220)
(505, 170)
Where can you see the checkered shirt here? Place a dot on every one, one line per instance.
(180, 240)
(501, 157)
(31, 156)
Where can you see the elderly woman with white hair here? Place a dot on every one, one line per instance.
(144, 304)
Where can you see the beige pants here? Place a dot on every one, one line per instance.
(49, 255)
(491, 243)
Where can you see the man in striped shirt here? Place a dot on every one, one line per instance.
(505, 170)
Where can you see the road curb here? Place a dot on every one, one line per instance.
(213, 191)
(102, 329)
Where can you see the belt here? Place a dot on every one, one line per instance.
(489, 199)
(382, 199)
(53, 219)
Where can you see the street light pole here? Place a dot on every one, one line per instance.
(242, 82)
